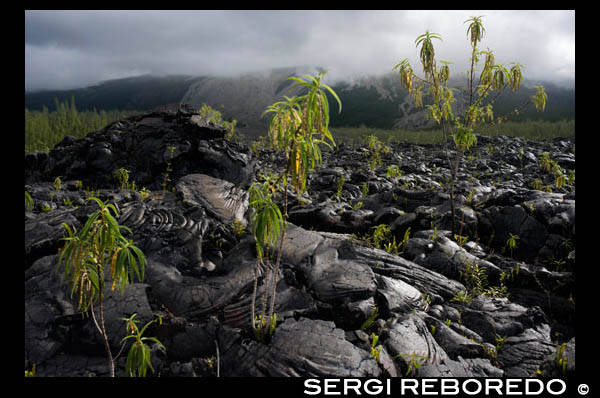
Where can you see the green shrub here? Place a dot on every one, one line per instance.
(298, 127)
(86, 256)
(494, 78)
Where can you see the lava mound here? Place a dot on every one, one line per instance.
(463, 306)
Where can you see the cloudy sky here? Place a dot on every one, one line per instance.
(68, 49)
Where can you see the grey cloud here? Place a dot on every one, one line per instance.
(65, 49)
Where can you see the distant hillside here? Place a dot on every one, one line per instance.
(132, 93)
(373, 101)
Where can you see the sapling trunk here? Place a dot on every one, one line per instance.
(99, 239)
(292, 128)
(278, 261)
(254, 289)
(452, 174)
(101, 327)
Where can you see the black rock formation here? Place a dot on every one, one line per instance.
(201, 262)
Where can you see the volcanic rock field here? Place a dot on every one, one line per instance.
(467, 305)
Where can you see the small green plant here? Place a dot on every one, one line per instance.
(448, 322)
(426, 299)
(545, 162)
(357, 206)
(381, 234)
(511, 243)
(474, 277)
(28, 201)
(559, 264)
(537, 184)
(392, 247)
(122, 176)
(500, 341)
(561, 359)
(86, 256)
(239, 229)
(260, 144)
(571, 178)
(78, 185)
(406, 237)
(57, 184)
(462, 297)
(498, 291)
(461, 240)
(369, 321)
(393, 171)
(46, 207)
(144, 193)
(413, 362)
(231, 134)
(567, 244)
(376, 149)
(138, 358)
(214, 116)
(67, 202)
(530, 207)
(375, 348)
(559, 177)
(166, 174)
(90, 192)
(340, 185)
(30, 373)
(254, 148)
(262, 331)
(364, 189)
(538, 372)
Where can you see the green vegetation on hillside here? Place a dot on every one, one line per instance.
(376, 101)
(364, 105)
(45, 129)
(138, 93)
(534, 130)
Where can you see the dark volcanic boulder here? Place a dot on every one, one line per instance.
(222, 199)
(55, 330)
(418, 352)
(439, 305)
(333, 279)
(155, 147)
(307, 348)
(44, 231)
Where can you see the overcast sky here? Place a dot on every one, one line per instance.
(69, 49)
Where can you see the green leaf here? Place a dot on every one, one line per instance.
(335, 96)
(130, 363)
(146, 358)
(113, 208)
(299, 81)
(130, 336)
(143, 262)
(88, 223)
(98, 201)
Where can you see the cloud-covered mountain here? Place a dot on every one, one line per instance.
(373, 101)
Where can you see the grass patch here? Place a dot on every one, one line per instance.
(534, 130)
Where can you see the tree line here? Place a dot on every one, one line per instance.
(44, 129)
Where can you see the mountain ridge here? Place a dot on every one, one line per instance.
(376, 101)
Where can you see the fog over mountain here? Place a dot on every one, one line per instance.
(70, 49)
(372, 101)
